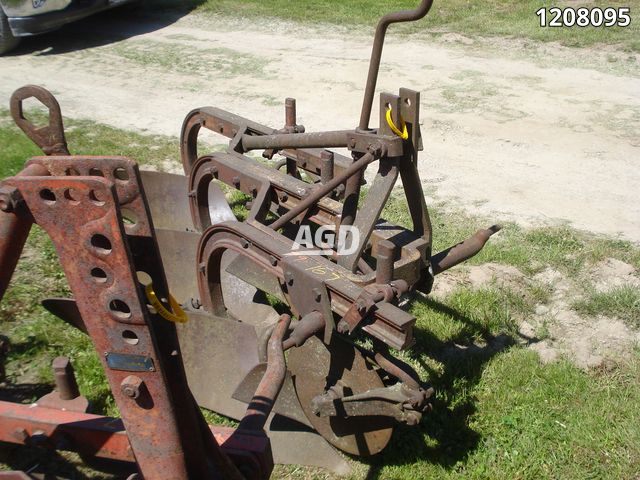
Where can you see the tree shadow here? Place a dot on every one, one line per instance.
(105, 28)
(445, 437)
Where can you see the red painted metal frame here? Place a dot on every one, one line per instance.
(106, 437)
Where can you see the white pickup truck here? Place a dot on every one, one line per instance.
(21, 18)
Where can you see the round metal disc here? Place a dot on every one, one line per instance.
(315, 367)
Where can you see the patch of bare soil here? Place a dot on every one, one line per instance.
(556, 330)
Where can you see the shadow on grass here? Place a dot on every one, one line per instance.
(37, 461)
(104, 28)
(444, 436)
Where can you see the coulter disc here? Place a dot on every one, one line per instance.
(315, 367)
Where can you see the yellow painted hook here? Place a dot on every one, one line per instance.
(404, 134)
(177, 316)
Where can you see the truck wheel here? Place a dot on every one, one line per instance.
(7, 40)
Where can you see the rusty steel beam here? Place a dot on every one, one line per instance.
(100, 256)
(281, 141)
(105, 437)
(15, 225)
(324, 190)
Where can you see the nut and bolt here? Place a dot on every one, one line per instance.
(131, 386)
(375, 149)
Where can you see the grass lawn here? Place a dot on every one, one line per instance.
(469, 17)
(498, 413)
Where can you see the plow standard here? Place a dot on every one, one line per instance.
(189, 307)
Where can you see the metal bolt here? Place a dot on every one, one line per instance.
(245, 244)
(236, 182)
(326, 172)
(352, 143)
(213, 171)
(193, 193)
(65, 378)
(284, 197)
(273, 260)
(375, 149)
(202, 267)
(131, 386)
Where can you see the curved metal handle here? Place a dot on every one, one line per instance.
(49, 138)
(376, 53)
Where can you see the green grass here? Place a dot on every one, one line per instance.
(498, 412)
(622, 302)
(468, 17)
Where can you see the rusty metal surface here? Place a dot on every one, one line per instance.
(167, 195)
(50, 138)
(376, 54)
(114, 228)
(464, 250)
(104, 437)
(267, 250)
(271, 383)
(230, 353)
(101, 273)
(315, 367)
(66, 396)
(15, 225)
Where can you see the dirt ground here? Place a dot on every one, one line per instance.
(513, 129)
